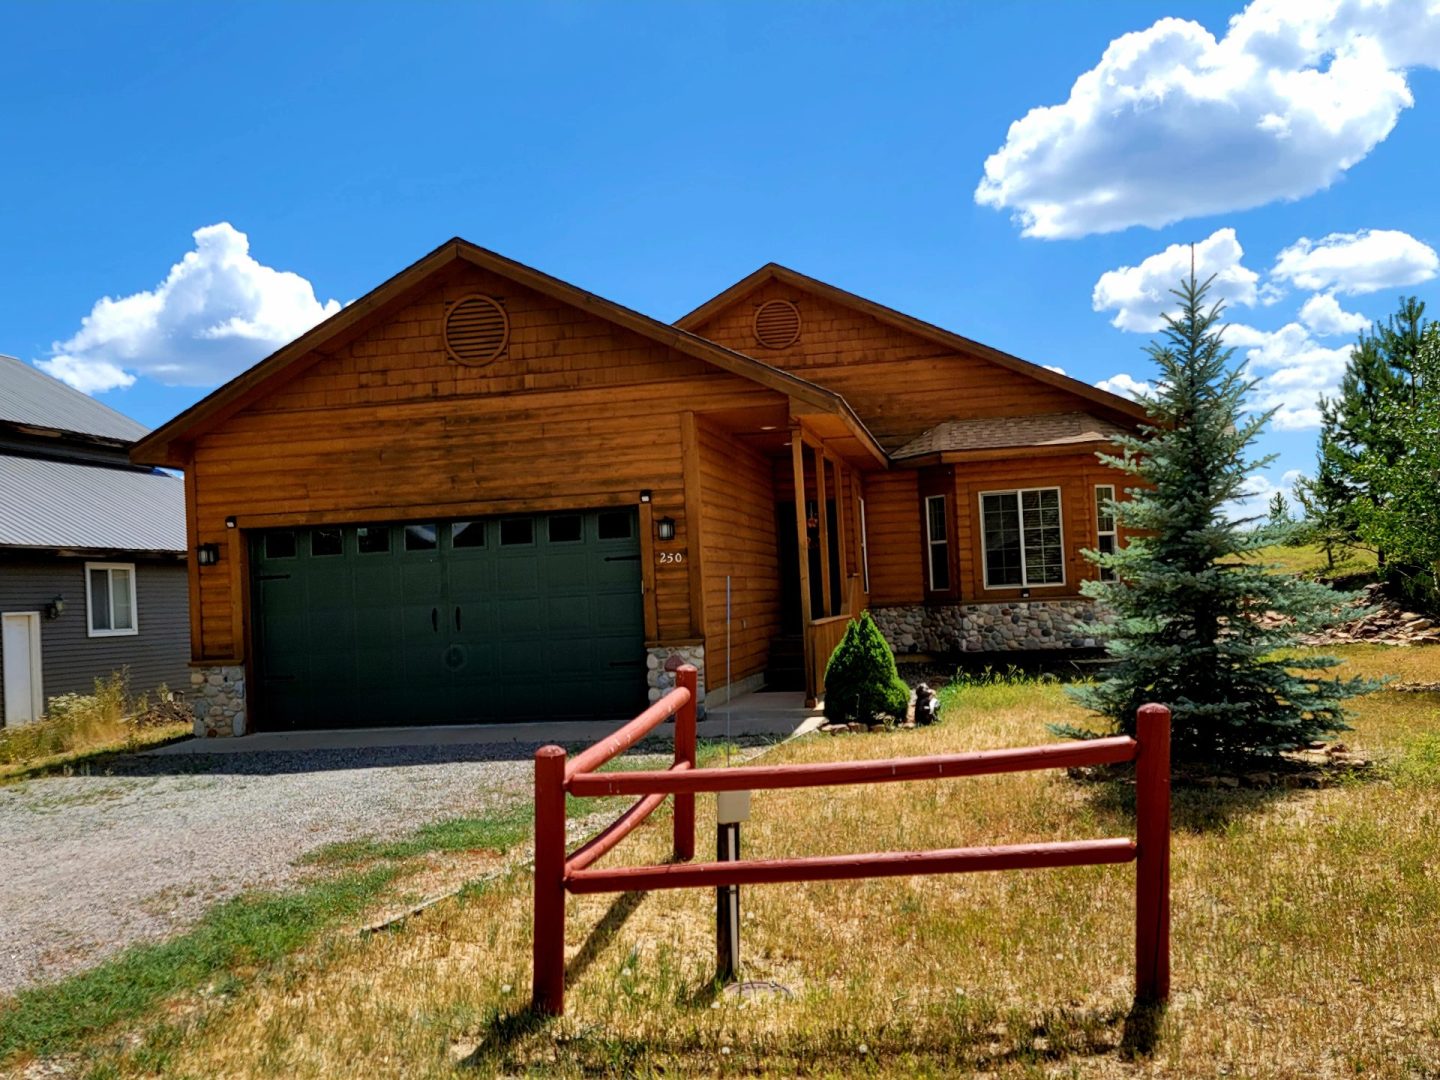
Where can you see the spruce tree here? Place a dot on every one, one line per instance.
(1191, 607)
(861, 680)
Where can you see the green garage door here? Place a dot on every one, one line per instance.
(516, 618)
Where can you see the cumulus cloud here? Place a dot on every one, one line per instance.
(1259, 489)
(1358, 262)
(1140, 294)
(1293, 371)
(1173, 123)
(217, 312)
(1324, 317)
(1125, 386)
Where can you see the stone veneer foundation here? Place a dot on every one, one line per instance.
(1021, 624)
(218, 695)
(662, 663)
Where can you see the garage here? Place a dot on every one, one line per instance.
(449, 622)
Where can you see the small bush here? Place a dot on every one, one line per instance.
(108, 717)
(861, 682)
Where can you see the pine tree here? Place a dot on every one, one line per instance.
(1191, 625)
(1280, 510)
(861, 680)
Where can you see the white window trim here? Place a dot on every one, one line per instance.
(931, 543)
(864, 548)
(1024, 569)
(1113, 531)
(134, 601)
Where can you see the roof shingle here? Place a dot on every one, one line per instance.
(1003, 432)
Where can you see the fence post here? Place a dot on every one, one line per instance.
(548, 983)
(684, 845)
(1152, 863)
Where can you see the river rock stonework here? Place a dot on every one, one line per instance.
(218, 695)
(1022, 624)
(662, 663)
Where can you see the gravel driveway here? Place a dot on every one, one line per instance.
(94, 863)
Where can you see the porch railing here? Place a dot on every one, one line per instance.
(825, 634)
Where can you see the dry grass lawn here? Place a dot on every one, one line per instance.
(1306, 939)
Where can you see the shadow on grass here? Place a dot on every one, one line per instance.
(1052, 1040)
(621, 908)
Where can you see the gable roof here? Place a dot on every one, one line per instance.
(30, 398)
(919, 327)
(282, 364)
(1004, 432)
(65, 504)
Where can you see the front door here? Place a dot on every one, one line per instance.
(20, 649)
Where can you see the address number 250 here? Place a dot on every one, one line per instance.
(671, 557)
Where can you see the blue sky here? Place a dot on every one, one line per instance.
(654, 153)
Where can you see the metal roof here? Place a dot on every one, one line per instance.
(61, 504)
(29, 396)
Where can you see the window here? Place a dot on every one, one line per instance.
(1024, 545)
(864, 550)
(517, 531)
(467, 534)
(280, 545)
(422, 537)
(327, 542)
(615, 525)
(937, 543)
(566, 529)
(110, 599)
(373, 539)
(1105, 531)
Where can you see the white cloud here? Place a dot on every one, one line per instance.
(1324, 317)
(1173, 123)
(1054, 367)
(217, 312)
(1140, 294)
(1125, 386)
(1358, 262)
(1293, 371)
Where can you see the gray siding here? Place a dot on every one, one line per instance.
(71, 659)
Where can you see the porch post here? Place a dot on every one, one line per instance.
(842, 526)
(827, 596)
(802, 540)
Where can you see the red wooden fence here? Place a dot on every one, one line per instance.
(555, 873)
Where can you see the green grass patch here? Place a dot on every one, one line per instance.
(493, 832)
(1419, 765)
(1352, 566)
(247, 932)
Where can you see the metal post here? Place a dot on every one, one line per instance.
(548, 992)
(731, 808)
(1152, 862)
(684, 840)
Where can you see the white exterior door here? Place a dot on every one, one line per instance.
(20, 650)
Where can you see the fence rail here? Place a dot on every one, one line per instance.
(556, 874)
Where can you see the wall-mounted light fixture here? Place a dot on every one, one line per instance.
(207, 554)
(665, 528)
(1024, 593)
(55, 607)
(229, 522)
(645, 495)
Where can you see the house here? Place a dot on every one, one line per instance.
(480, 493)
(92, 550)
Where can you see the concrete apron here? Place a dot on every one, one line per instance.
(776, 715)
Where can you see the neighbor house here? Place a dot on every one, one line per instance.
(481, 493)
(92, 550)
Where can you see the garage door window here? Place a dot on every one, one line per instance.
(280, 545)
(110, 598)
(515, 531)
(421, 537)
(373, 540)
(467, 534)
(615, 525)
(566, 529)
(327, 542)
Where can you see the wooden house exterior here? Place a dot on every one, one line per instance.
(480, 493)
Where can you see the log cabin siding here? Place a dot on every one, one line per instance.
(738, 520)
(577, 413)
(893, 522)
(900, 384)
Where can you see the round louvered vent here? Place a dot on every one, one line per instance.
(476, 330)
(777, 324)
